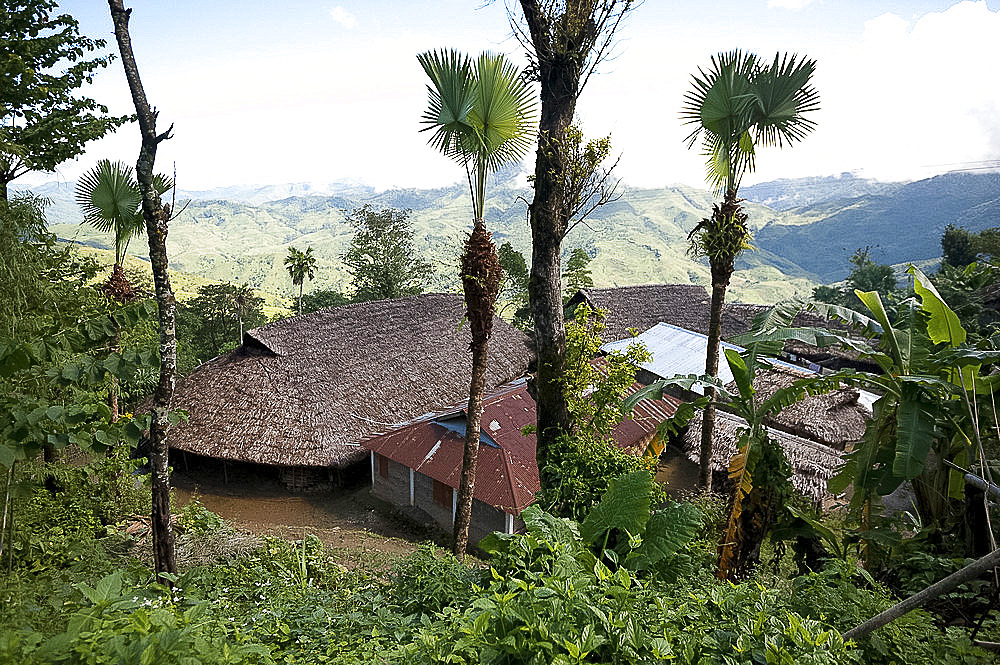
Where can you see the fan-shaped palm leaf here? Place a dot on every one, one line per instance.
(481, 113)
(782, 97)
(110, 198)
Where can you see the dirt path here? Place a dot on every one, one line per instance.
(346, 517)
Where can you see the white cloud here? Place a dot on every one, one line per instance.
(788, 4)
(343, 17)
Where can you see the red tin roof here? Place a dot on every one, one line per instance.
(507, 471)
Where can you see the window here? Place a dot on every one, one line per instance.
(383, 466)
(442, 495)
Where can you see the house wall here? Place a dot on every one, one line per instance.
(396, 488)
(485, 520)
(423, 498)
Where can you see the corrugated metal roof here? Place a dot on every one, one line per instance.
(507, 475)
(675, 351)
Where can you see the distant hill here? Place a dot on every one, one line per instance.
(241, 234)
(902, 224)
(789, 193)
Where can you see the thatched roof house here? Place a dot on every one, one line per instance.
(687, 306)
(835, 419)
(306, 390)
(813, 464)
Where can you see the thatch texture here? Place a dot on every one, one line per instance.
(835, 419)
(813, 464)
(642, 307)
(687, 306)
(306, 390)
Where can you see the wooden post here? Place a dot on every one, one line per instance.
(970, 572)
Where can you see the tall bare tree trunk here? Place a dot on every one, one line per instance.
(560, 83)
(473, 422)
(480, 271)
(719, 285)
(156, 216)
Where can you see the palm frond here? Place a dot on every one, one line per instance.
(783, 97)
(450, 98)
(108, 194)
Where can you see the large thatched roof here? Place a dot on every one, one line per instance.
(687, 306)
(307, 390)
(813, 464)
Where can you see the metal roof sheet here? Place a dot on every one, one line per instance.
(507, 475)
(675, 351)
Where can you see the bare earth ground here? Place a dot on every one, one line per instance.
(345, 517)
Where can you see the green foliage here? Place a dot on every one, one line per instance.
(321, 299)
(968, 290)
(42, 67)
(382, 259)
(197, 519)
(582, 467)
(514, 291)
(595, 390)
(50, 382)
(213, 321)
(577, 273)
(957, 247)
(40, 282)
(430, 580)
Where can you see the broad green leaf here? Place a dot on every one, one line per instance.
(914, 431)
(624, 506)
(873, 302)
(943, 325)
(545, 526)
(668, 531)
(741, 373)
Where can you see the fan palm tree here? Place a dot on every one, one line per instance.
(739, 103)
(111, 202)
(300, 265)
(481, 113)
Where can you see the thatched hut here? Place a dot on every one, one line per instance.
(813, 464)
(688, 305)
(305, 391)
(836, 419)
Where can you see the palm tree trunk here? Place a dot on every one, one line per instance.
(301, 285)
(719, 285)
(463, 512)
(156, 217)
(480, 270)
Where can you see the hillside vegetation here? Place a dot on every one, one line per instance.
(806, 238)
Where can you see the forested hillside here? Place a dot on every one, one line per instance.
(806, 236)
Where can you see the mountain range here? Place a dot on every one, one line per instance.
(805, 229)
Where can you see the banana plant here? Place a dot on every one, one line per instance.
(759, 470)
(927, 409)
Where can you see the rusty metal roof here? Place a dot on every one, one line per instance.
(507, 472)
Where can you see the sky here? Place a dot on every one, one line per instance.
(264, 92)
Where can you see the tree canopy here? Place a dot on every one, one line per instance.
(43, 64)
(382, 258)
